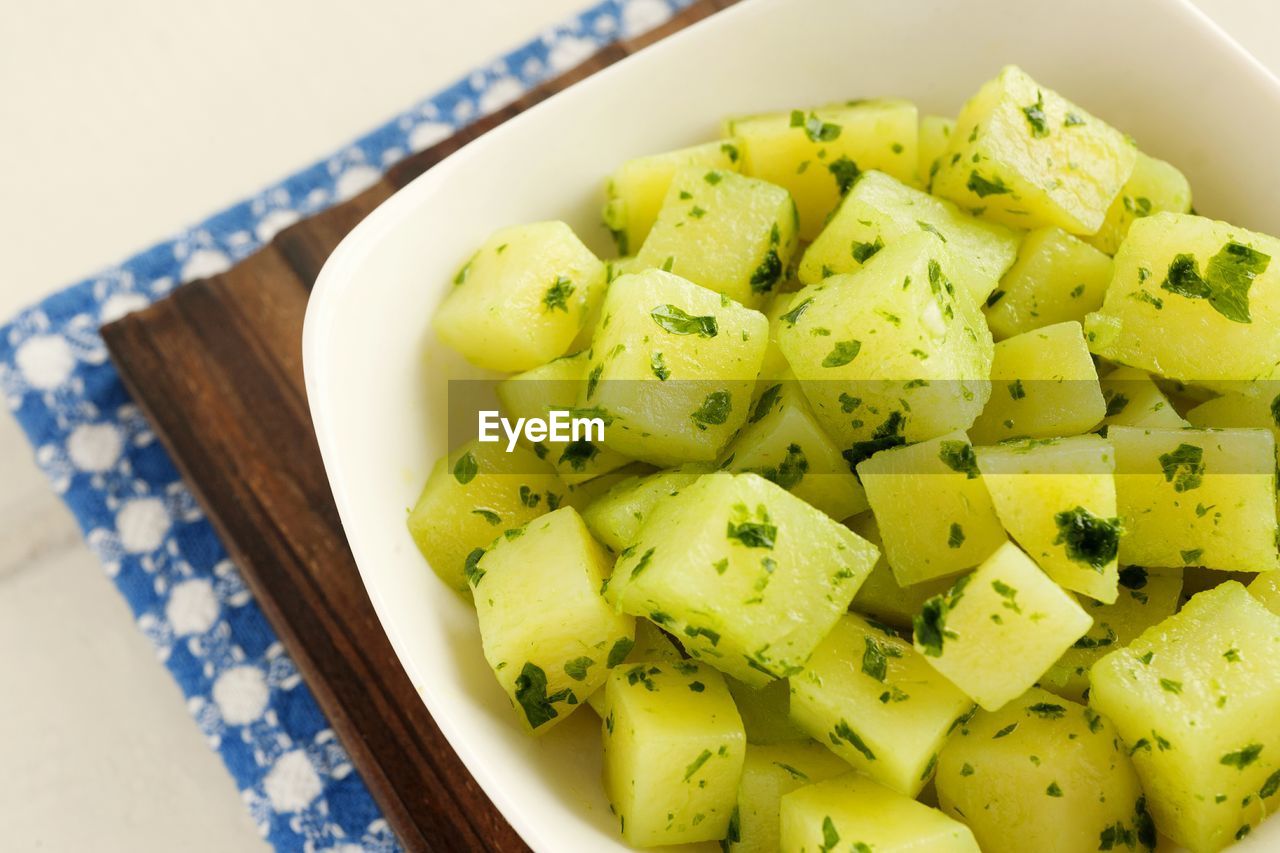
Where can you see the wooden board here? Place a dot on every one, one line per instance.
(217, 367)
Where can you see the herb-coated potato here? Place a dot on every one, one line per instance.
(1056, 278)
(768, 773)
(1153, 187)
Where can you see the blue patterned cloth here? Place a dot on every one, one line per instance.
(141, 520)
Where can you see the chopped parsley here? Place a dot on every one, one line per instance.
(843, 732)
(793, 315)
(471, 567)
(1087, 538)
(1016, 391)
(1170, 686)
(845, 171)
(875, 657)
(1184, 467)
(767, 274)
(659, 366)
(1226, 280)
(466, 468)
(959, 457)
(930, 626)
(619, 651)
(842, 353)
(1242, 758)
(679, 322)
(886, 435)
(642, 563)
(956, 537)
(754, 534)
(1047, 710)
(790, 471)
(557, 295)
(815, 128)
(714, 410)
(765, 404)
(981, 187)
(862, 252)
(696, 764)
(577, 668)
(531, 694)
(488, 515)
(1036, 118)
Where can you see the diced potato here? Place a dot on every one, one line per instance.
(522, 298)
(1196, 698)
(634, 193)
(853, 813)
(557, 385)
(616, 516)
(816, 154)
(775, 366)
(1196, 497)
(673, 752)
(1043, 384)
(1192, 299)
(1153, 187)
(672, 368)
(1028, 157)
(892, 353)
(1043, 773)
(766, 711)
(726, 232)
(1055, 279)
(471, 497)
(1147, 596)
(768, 773)
(783, 443)
(581, 495)
(932, 509)
(999, 629)
(881, 596)
(747, 576)
(1266, 588)
(935, 138)
(547, 632)
(1133, 399)
(651, 646)
(880, 210)
(874, 701)
(1057, 499)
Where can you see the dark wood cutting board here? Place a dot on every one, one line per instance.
(217, 367)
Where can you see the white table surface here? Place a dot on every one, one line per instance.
(123, 122)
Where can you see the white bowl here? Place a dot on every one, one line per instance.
(376, 377)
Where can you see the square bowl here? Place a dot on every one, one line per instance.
(377, 379)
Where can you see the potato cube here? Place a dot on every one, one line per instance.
(1043, 384)
(1057, 499)
(747, 576)
(768, 773)
(999, 629)
(1147, 596)
(557, 385)
(881, 596)
(853, 813)
(471, 497)
(1196, 698)
(766, 711)
(547, 632)
(616, 516)
(774, 367)
(1192, 299)
(880, 210)
(783, 443)
(892, 353)
(725, 232)
(932, 509)
(935, 138)
(635, 192)
(1056, 278)
(673, 752)
(1196, 497)
(1153, 187)
(1028, 157)
(874, 701)
(1266, 588)
(1133, 399)
(522, 298)
(672, 368)
(816, 154)
(652, 645)
(1043, 773)
(582, 495)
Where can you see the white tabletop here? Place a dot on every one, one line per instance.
(123, 122)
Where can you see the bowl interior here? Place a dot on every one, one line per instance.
(377, 379)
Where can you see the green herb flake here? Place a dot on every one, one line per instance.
(959, 457)
(1191, 555)
(1036, 117)
(765, 404)
(488, 515)
(845, 171)
(577, 668)
(815, 128)
(713, 178)
(1184, 467)
(1016, 391)
(830, 838)
(658, 365)
(557, 295)
(1087, 538)
(862, 252)
(1047, 710)
(642, 563)
(714, 410)
(619, 651)
(1242, 758)
(875, 657)
(471, 567)
(1053, 790)
(466, 468)
(981, 187)
(753, 534)
(842, 353)
(1170, 686)
(696, 764)
(531, 694)
(679, 322)
(768, 274)
(843, 732)
(1226, 280)
(793, 315)
(1005, 732)
(955, 538)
